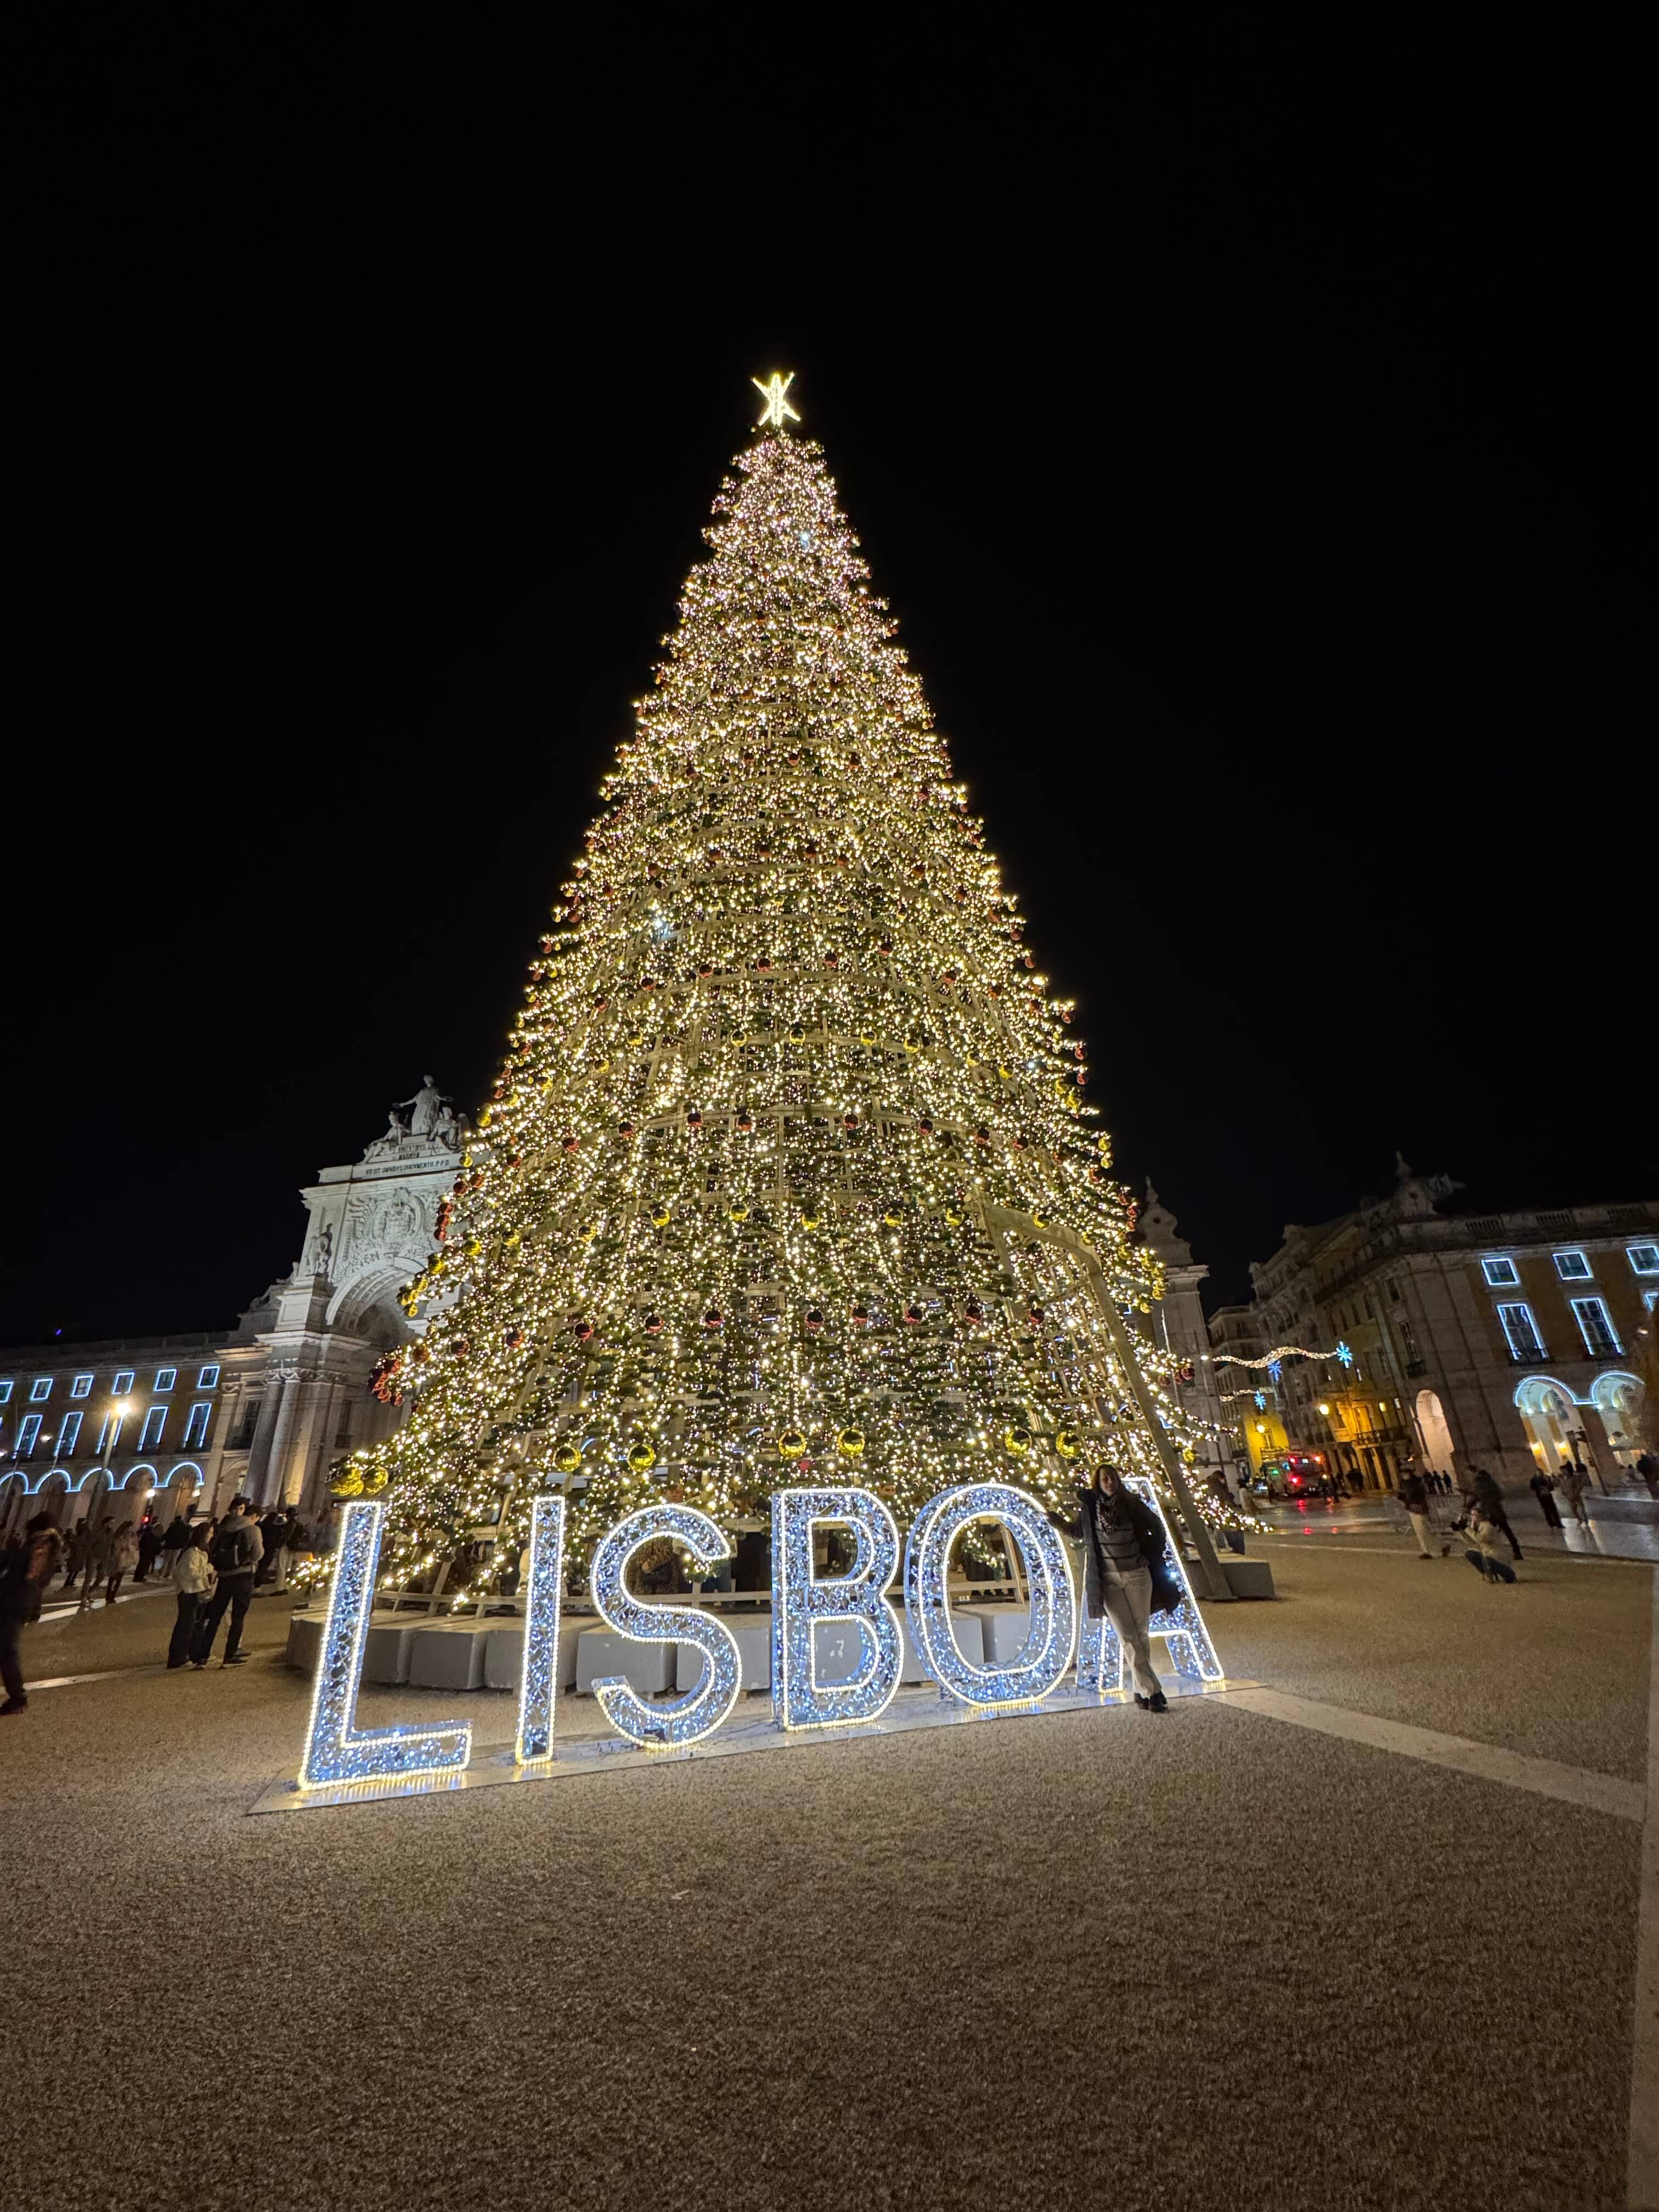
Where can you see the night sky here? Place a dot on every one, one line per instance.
(1248, 417)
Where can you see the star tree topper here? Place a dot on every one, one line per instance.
(777, 410)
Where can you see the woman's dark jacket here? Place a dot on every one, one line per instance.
(1149, 1534)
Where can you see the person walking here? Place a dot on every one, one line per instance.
(1544, 1491)
(1414, 1496)
(273, 1532)
(1123, 1543)
(193, 1578)
(1485, 1494)
(149, 1547)
(77, 1551)
(99, 1544)
(179, 1535)
(123, 1554)
(26, 1568)
(233, 1554)
(1572, 1483)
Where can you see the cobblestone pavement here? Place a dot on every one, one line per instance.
(1205, 1959)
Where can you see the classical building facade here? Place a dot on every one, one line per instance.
(263, 1409)
(1177, 1323)
(1507, 1340)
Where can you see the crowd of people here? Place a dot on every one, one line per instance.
(216, 1566)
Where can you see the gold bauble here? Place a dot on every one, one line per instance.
(1069, 1442)
(642, 1457)
(568, 1458)
(791, 1444)
(850, 1444)
(1017, 1441)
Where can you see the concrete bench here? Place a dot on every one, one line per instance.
(504, 1653)
(305, 1640)
(647, 1668)
(387, 1648)
(1002, 1631)
(839, 1649)
(1247, 1577)
(449, 1655)
(754, 1638)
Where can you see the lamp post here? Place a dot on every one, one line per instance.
(114, 1421)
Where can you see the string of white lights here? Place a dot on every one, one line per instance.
(336, 1751)
(688, 1718)
(1047, 1650)
(538, 1680)
(1100, 1648)
(800, 1601)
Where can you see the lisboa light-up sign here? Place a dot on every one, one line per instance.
(339, 1752)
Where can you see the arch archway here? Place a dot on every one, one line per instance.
(1432, 1427)
(366, 1305)
(14, 1510)
(53, 1495)
(1549, 1415)
(1617, 1397)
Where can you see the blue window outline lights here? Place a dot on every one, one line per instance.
(112, 1421)
(208, 1379)
(166, 1378)
(29, 1435)
(1521, 1334)
(5, 1394)
(81, 1386)
(156, 1420)
(69, 1435)
(1573, 1266)
(1643, 1259)
(122, 1384)
(1595, 1327)
(195, 1437)
(1501, 1274)
(39, 1390)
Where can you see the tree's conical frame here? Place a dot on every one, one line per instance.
(788, 1168)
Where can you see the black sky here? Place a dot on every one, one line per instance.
(1248, 414)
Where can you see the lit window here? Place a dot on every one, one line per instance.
(5, 1394)
(1500, 1273)
(1645, 1259)
(208, 1379)
(196, 1426)
(123, 1382)
(109, 1432)
(1572, 1266)
(166, 1378)
(28, 1431)
(81, 1386)
(39, 1390)
(154, 1421)
(1595, 1327)
(1522, 1330)
(69, 1434)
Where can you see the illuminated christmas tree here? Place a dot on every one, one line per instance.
(789, 1175)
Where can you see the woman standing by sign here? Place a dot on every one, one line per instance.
(1122, 1542)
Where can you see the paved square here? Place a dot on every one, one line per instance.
(1225, 1958)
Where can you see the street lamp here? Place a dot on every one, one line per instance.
(114, 1423)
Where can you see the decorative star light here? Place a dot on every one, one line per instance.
(777, 410)
(1275, 1368)
(1261, 1397)
(1344, 1353)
